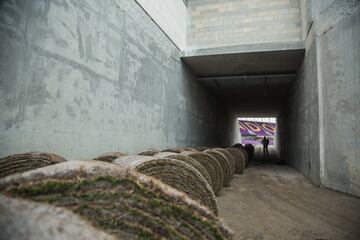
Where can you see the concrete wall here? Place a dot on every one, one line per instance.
(323, 126)
(171, 16)
(339, 40)
(232, 135)
(80, 78)
(302, 120)
(213, 23)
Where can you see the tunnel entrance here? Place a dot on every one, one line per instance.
(255, 132)
(250, 80)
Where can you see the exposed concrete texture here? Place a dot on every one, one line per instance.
(213, 23)
(171, 16)
(245, 77)
(340, 71)
(249, 59)
(232, 131)
(280, 134)
(249, 87)
(322, 120)
(302, 120)
(276, 202)
(80, 78)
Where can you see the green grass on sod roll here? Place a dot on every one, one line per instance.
(176, 173)
(118, 201)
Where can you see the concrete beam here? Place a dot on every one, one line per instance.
(250, 59)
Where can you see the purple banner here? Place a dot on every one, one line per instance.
(253, 132)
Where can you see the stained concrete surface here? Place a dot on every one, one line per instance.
(302, 119)
(80, 78)
(276, 202)
(340, 71)
(320, 126)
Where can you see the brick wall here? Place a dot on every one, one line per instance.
(213, 23)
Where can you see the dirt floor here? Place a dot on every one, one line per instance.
(271, 201)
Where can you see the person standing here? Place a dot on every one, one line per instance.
(265, 142)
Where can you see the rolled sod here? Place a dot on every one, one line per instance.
(238, 145)
(201, 149)
(187, 160)
(22, 162)
(230, 158)
(109, 157)
(224, 163)
(239, 157)
(118, 201)
(246, 155)
(149, 152)
(24, 219)
(176, 173)
(212, 167)
(249, 150)
(173, 150)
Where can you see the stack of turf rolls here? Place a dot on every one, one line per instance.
(239, 157)
(168, 194)
(224, 164)
(117, 201)
(248, 151)
(211, 165)
(176, 173)
(195, 164)
(228, 156)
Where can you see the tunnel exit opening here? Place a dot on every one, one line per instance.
(253, 130)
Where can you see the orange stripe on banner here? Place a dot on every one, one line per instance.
(241, 126)
(267, 127)
(253, 127)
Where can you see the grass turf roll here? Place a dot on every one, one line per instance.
(149, 152)
(229, 158)
(24, 219)
(109, 157)
(22, 162)
(201, 149)
(187, 160)
(173, 150)
(224, 163)
(177, 174)
(249, 148)
(246, 155)
(211, 166)
(239, 159)
(118, 201)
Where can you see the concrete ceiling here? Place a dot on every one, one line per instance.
(250, 79)
(252, 59)
(248, 86)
